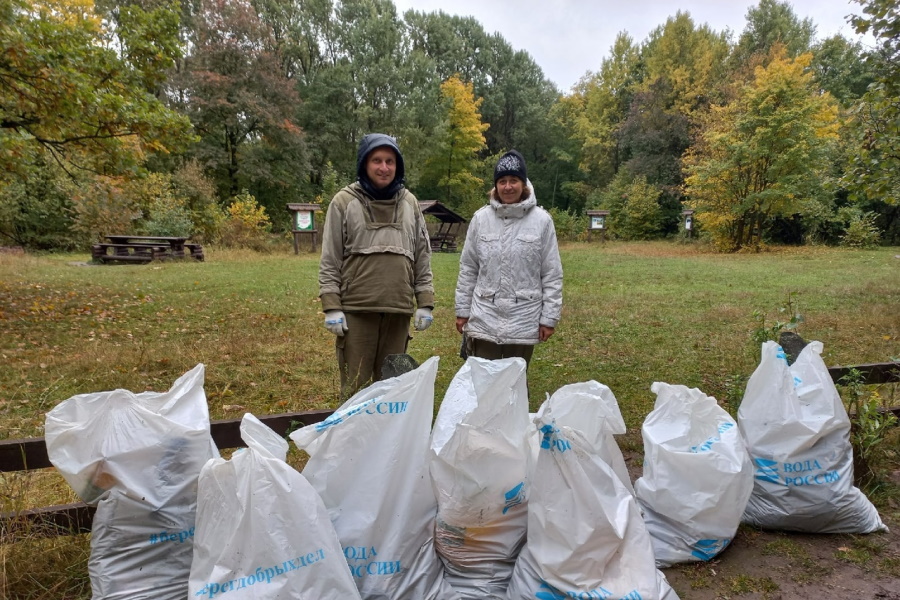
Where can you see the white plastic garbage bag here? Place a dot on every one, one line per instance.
(697, 475)
(262, 531)
(479, 469)
(369, 463)
(586, 538)
(137, 457)
(798, 435)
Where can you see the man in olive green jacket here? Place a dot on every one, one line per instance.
(376, 265)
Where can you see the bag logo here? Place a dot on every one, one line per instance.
(767, 470)
(514, 497)
(708, 549)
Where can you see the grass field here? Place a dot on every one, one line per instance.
(633, 314)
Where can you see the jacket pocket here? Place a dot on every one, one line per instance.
(528, 245)
(488, 246)
(485, 293)
(351, 267)
(528, 295)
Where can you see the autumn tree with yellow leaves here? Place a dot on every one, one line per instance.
(454, 165)
(763, 155)
(70, 96)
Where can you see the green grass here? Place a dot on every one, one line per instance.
(633, 314)
(745, 584)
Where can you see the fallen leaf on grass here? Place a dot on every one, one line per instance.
(230, 407)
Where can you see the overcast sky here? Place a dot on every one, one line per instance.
(567, 38)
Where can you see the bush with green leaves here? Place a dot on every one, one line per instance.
(568, 226)
(199, 196)
(38, 213)
(165, 213)
(861, 232)
(330, 185)
(168, 217)
(633, 204)
(870, 424)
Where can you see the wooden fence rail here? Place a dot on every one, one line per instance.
(65, 519)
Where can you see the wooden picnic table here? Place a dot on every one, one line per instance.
(144, 248)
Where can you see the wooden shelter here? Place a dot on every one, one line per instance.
(444, 239)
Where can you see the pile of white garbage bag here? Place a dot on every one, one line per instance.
(490, 502)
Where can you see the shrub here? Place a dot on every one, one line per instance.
(861, 232)
(633, 204)
(568, 226)
(246, 224)
(38, 213)
(102, 207)
(199, 194)
(331, 185)
(164, 212)
(168, 217)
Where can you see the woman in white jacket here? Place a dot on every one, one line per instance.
(509, 291)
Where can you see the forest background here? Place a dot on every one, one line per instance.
(206, 117)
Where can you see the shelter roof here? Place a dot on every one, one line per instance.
(439, 211)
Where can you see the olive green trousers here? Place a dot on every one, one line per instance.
(361, 351)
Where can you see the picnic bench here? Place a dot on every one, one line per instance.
(144, 249)
(443, 242)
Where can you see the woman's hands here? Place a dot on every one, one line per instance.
(461, 323)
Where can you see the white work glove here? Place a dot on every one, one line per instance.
(423, 319)
(336, 322)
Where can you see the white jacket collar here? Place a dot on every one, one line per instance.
(517, 210)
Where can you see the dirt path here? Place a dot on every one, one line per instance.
(786, 566)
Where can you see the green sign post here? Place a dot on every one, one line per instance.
(303, 218)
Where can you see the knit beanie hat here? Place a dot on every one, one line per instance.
(510, 163)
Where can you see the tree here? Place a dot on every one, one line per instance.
(594, 111)
(634, 207)
(145, 34)
(357, 83)
(234, 90)
(690, 58)
(762, 155)
(455, 162)
(874, 171)
(653, 137)
(517, 98)
(67, 96)
(456, 45)
(769, 23)
(841, 69)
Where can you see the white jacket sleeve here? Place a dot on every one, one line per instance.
(551, 278)
(468, 271)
